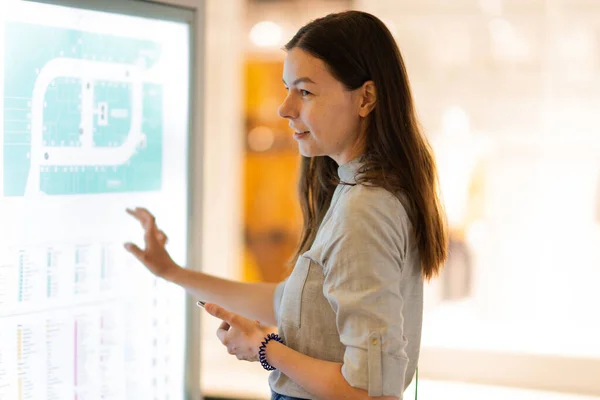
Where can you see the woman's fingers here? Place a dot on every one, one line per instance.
(221, 313)
(152, 235)
(148, 220)
(144, 216)
(224, 325)
(135, 213)
(153, 254)
(222, 331)
(136, 251)
(162, 237)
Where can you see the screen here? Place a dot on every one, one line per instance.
(93, 119)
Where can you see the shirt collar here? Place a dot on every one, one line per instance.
(347, 172)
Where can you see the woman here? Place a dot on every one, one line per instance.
(350, 313)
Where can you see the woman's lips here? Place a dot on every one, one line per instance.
(300, 135)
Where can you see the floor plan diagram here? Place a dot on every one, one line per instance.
(82, 117)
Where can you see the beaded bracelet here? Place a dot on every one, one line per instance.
(261, 352)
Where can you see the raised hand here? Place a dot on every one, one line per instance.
(155, 257)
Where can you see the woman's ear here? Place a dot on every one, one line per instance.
(368, 98)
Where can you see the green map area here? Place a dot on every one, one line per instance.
(80, 117)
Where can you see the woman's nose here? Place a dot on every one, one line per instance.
(287, 109)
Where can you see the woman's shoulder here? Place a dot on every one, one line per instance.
(371, 201)
(364, 217)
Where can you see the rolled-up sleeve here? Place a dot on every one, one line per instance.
(363, 269)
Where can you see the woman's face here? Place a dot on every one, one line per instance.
(325, 117)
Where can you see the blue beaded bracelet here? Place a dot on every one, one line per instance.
(261, 352)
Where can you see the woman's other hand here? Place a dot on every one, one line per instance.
(242, 336)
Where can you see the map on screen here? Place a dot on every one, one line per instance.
(94, 115)
(82, 112)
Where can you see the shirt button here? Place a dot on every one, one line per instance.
(374, 341)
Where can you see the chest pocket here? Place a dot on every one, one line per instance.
(291, 300)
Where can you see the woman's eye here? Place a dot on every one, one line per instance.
(304, 92)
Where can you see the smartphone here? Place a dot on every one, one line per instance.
(200, 303)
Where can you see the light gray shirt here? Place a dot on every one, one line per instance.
(356, 297)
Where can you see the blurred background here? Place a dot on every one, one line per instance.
(507, 92)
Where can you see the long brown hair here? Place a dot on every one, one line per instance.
(358, 47)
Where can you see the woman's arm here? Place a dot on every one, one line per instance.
(323, 379)
(252, 300)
